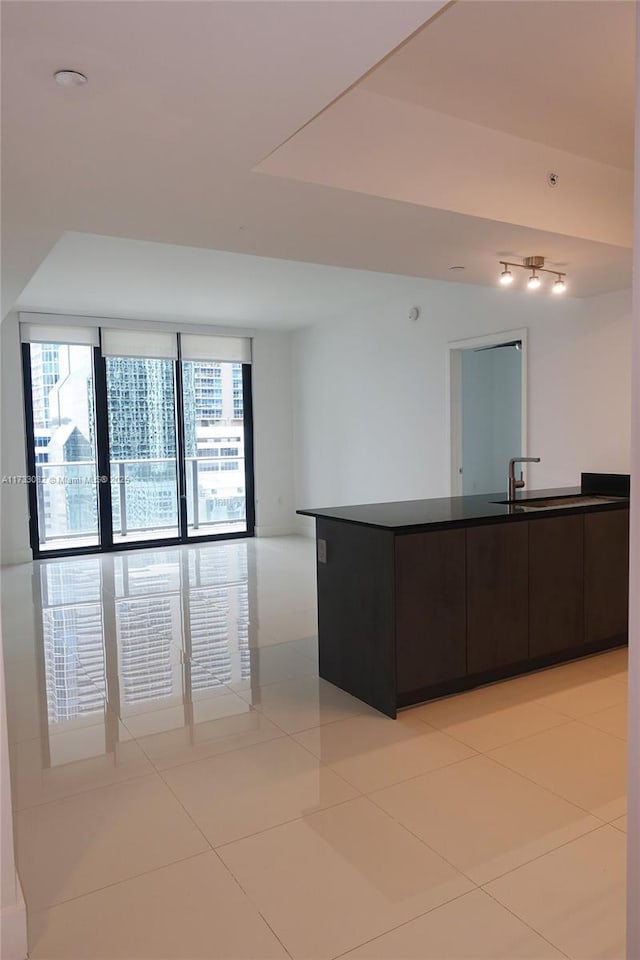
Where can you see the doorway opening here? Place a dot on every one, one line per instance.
(488, 415)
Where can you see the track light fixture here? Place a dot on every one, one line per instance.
(536, 266)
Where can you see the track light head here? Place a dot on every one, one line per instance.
(536, 266)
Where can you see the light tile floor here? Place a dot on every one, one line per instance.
(186, 786)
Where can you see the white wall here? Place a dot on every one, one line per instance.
(371, 392)
(580, 390)
(13, 916)
(633, 799)
(14, 522)
(273, 433)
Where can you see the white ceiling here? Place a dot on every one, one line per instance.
(558, 72)
(186, 99)
(90, 275)
(106, 276)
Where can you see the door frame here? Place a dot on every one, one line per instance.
(454, 395)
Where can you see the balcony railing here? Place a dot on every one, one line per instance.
(144, 497)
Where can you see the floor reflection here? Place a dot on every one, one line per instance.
(154, 639)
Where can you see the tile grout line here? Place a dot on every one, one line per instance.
(485, 752)
(404, 780)
(592, 726)
(74, 796)
(117, 883)
(480, 885)
(187, 812)
(81, 793)
(285, 823)
(526, 923)
(87, 726)
(405, 923)
(553, 793)
(250, 899)
(540, 856)
(274, 826)
(245, 746)
(424, 843)
(327, 766)
(424, 773)
(360, 794)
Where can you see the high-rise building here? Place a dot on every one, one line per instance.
(73, 642)
(214, 441)
(45, 372)
(141, 406)
(62, 398)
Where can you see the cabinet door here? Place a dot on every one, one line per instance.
(355, 611)
(430, 608)
(556, 596)
(497, 596)
(606, 575)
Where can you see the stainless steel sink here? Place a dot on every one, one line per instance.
(558, 503)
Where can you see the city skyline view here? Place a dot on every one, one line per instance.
(141, 406)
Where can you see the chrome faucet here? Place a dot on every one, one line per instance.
(517, 484)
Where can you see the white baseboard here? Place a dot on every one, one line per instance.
(306, 527)
(13, 920)
(285, 530)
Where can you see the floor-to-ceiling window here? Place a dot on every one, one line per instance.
(63, 474)
(213, 391)
(142, 427)
(136, 437)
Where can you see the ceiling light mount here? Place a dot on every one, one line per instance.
(70, 78)
(536, 266)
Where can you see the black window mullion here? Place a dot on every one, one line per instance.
(32, 490)
(103, 449)
(247, 408)
(181, 447)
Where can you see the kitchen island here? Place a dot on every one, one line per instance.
(418, 599)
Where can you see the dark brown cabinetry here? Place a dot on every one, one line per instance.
(405, 616)
(556, 593)
(606, 575)
(431, 642)
(356, 612)
(497, 596)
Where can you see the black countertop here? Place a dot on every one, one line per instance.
(417, 515)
